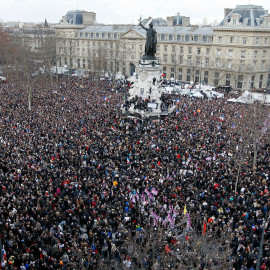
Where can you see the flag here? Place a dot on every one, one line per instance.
(204, 228)
(188, 222)
(154, 191)
(167, 249)
(185, 210)
(3, 257)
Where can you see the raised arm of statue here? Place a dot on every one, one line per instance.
(141, 25)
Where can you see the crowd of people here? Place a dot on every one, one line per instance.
(80, 183)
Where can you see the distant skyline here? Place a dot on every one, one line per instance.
(120, 11)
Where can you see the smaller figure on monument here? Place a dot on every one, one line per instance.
(151, 41)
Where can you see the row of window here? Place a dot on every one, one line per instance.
(243, 40)
(162, 37)
(185, 38)
(97, 35)
(198, 76)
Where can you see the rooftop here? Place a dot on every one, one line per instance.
(245, 15)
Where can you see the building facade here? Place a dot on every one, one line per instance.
(235, 53)
(39, 39)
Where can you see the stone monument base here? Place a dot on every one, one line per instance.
(145, 95)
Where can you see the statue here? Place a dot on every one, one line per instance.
(151, 41)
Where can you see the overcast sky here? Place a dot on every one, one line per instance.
(119, 11)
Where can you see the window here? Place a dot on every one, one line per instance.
(206, 61)
(204, 38)
(173, 48)
(81, 34)
(180, 75)
(240, 82)
(195, 38)
(109, 35)
(181, 59)
(218, 52)
(178, 37)
(228, 79)
(264, 53)
(197, 76)
(172, 72)
(115, 35)
(257, 40)
(170, 37)
(198, 60)
(220, 39)
(263, 64)
(216, 79)
(255, 53)
(165, 48)
(83, 63)
(231, 39)
(230, 53)
(186, 38)
(206, 77)
(268, 81)
(207, 51)
(189, 60)
(188, 75)
(165, 58)
(229, 63)
(265, 41)
(97, 35)
(252, 81)
(86, 35)
(162, 37)
(261, 81)
(190, 50)
(244, 40)
(78, 62)
(92, 35)
(243, 53)
(181, 50)
(173, 58)
(198, 50)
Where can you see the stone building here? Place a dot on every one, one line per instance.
(38, 38)
(236, 52)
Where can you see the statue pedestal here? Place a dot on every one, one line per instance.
(144, 96)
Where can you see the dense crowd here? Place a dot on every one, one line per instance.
(78, 180)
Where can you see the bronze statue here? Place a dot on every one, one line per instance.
(151, 41)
